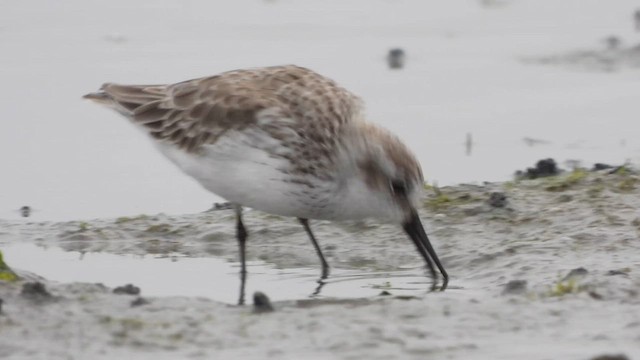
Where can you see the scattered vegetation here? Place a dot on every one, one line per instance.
(442, 201)
(562, 183)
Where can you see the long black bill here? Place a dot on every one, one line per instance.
(413, 227)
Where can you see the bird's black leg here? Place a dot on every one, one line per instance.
(241, 233)
(325, 265)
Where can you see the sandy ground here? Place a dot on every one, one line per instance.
(547, 229)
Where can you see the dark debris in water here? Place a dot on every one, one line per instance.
(128, 289)
(25, 211)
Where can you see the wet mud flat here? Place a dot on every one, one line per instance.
(540, 269)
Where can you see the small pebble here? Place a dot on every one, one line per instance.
(515, 287)
(384, 293)
(128, 289)
(261, 303)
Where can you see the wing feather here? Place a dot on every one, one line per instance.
(199, 111)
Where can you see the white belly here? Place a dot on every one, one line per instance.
(241, 174)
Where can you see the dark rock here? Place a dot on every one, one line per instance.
(515, 287)
(261, 303)
(128, 289)
(576, 273)
(384, 293)
(1, 302)
(36, 291)
(139, 301)
(497, 199)
(544, 168)
(611, 357)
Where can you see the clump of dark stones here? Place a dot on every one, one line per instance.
(497, 199)
(128, 289)
(543, 168)
(261, 303)
(515, 287)
(36, 291)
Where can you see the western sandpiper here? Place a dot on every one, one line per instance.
(283, 140)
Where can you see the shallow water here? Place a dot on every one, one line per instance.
(178, 275)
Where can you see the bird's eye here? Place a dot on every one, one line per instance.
(398, 187)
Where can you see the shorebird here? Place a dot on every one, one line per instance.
(283, 140)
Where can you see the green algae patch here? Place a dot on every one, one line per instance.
(6, 274)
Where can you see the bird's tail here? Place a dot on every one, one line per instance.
(126, 98)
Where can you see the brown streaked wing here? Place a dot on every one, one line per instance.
(194, 112)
